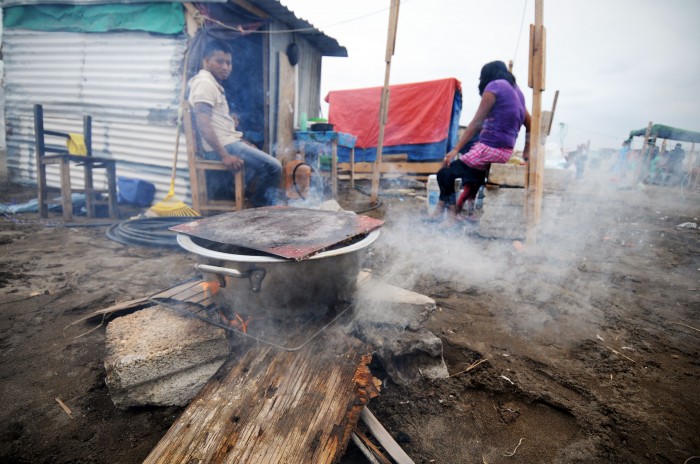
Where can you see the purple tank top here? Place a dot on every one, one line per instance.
(503, 123)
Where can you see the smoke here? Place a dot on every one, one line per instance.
(557, 291)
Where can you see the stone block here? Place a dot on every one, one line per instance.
(158, 357)
(406, 355)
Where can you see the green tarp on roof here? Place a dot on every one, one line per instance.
(162, 18)
(667, 132)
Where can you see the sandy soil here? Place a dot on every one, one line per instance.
(590, 339)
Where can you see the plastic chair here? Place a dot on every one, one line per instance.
(59, 154)
(198, 168)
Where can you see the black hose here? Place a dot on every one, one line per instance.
(149, 232)
(371, 208)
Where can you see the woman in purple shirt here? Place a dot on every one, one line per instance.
(497, 120)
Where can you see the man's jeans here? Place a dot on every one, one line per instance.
(260, 167)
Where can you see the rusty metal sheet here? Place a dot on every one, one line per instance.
(285, 231)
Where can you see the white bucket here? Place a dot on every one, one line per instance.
(433, 194)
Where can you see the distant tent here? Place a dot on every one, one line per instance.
(423, 119)
(667, 132)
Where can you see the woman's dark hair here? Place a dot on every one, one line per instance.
(493, 71)
(216, 46)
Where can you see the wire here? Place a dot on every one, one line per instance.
(520, 34)
(616, 137)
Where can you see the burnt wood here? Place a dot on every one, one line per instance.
(271, 406)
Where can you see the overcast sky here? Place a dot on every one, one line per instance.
(617, 64)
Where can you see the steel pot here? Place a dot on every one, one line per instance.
(255, 284)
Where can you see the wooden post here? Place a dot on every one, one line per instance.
(536, 80)
(690, 159)
(642, 154)
(384, 106)
(554, 109)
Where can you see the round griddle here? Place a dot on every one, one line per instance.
(288, 232)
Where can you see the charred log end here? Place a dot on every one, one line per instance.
(366, 387)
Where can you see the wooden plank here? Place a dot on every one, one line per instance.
(419, 167)
(271, 406)
(386, 440)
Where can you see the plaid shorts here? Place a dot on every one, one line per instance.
(481, 156)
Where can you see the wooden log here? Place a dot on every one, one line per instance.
(270, 406)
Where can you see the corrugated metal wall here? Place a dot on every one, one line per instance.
(309, 80)
(128, 81)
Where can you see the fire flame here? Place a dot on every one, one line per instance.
(238, 323)
(210, 288)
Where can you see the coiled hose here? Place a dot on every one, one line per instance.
(151, 232)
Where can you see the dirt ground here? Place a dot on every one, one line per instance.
(589, 340)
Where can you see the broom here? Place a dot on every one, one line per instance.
(171, 206)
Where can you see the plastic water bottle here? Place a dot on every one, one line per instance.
(480, 198)
(433, 194)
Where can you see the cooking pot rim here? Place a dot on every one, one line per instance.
(185, 241)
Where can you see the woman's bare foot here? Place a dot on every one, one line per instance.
(438, 211)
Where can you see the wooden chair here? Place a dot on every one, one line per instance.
(198, 168)
(59, 154)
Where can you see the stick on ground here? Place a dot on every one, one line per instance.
(63, 406)
(516, 449)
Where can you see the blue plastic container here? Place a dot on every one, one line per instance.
(135, 191)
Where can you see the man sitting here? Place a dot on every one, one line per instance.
(220, 138)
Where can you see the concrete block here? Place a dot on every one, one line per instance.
(389, 318)
(157, 357)
(382, 303)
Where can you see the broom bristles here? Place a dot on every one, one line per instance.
(171, 206)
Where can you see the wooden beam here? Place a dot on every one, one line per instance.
(246, 5)
(193, 19)
(266, 405)
(641, 168)
(554, 109)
